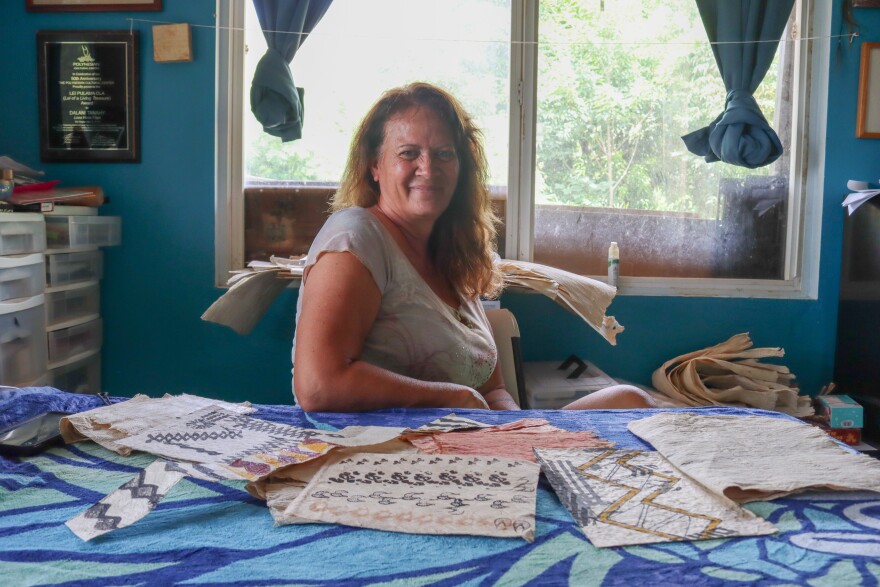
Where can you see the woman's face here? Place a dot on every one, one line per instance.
(417, 166)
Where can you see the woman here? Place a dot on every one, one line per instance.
(389, 312)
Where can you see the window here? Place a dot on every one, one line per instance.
(582, 104)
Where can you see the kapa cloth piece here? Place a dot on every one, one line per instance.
(514, 440)
(627, 497)
(281, 487)
(248, 447)
(108, 424)
(213, 444)
(753, 458)
(128, 504)
(424, 494)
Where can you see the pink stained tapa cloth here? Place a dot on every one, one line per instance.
(513, 440)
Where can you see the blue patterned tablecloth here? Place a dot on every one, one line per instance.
(215, 533)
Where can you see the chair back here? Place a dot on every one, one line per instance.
(506, 333)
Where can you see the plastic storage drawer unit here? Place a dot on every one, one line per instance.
(72, 303)
(82, 375)
(21, 276)
(22, 341)
(551, 385)
(64, 232)
(66, 343)
(77, 267)
(22, 233)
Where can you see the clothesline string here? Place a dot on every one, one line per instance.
(850, 36)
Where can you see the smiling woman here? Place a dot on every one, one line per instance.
(389, 312)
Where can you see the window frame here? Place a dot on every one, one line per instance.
(809, 120)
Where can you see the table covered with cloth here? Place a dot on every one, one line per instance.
(215, 533)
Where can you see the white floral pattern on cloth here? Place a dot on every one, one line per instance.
(415, 334)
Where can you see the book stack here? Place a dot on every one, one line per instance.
(31, 193)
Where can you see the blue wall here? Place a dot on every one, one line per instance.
(160, 280)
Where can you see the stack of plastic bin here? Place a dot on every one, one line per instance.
(23, 358)
(74, 267)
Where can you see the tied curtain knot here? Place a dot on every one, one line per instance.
(275, 101)
(739, 136)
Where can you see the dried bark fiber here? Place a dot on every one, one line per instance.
(730, 373)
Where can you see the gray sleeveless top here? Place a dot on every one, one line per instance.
(415, 334)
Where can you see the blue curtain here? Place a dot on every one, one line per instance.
(275, 101)
(745, 35)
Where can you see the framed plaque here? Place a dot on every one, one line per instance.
(91, 5)
(868, 113)
(88, 91)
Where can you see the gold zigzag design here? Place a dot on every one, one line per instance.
(632, 492)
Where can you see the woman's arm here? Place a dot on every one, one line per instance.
(336, 315)
(496, 393)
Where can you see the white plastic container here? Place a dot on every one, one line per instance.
(65, 268)
(81, 374)
(22, 233)
(64, 232)
(23, 356)
(70, 341)
(72, 303)
(21, 276)
(549, 388)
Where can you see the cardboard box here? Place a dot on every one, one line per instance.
(841, 410)
(850, 436)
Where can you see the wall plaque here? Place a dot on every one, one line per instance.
(89, 102)
(91, 5)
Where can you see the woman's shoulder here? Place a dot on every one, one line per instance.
(353, 219)
(354, 229)
(353, 212)
(358, 231)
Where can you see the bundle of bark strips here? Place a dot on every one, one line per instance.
(731, 373)
(588, 298)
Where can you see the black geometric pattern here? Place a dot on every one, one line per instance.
(450, 423)
(99, 513)
(179, 438)
(141, 490)
(255, 425)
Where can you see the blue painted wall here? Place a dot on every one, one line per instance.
(160, 280)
